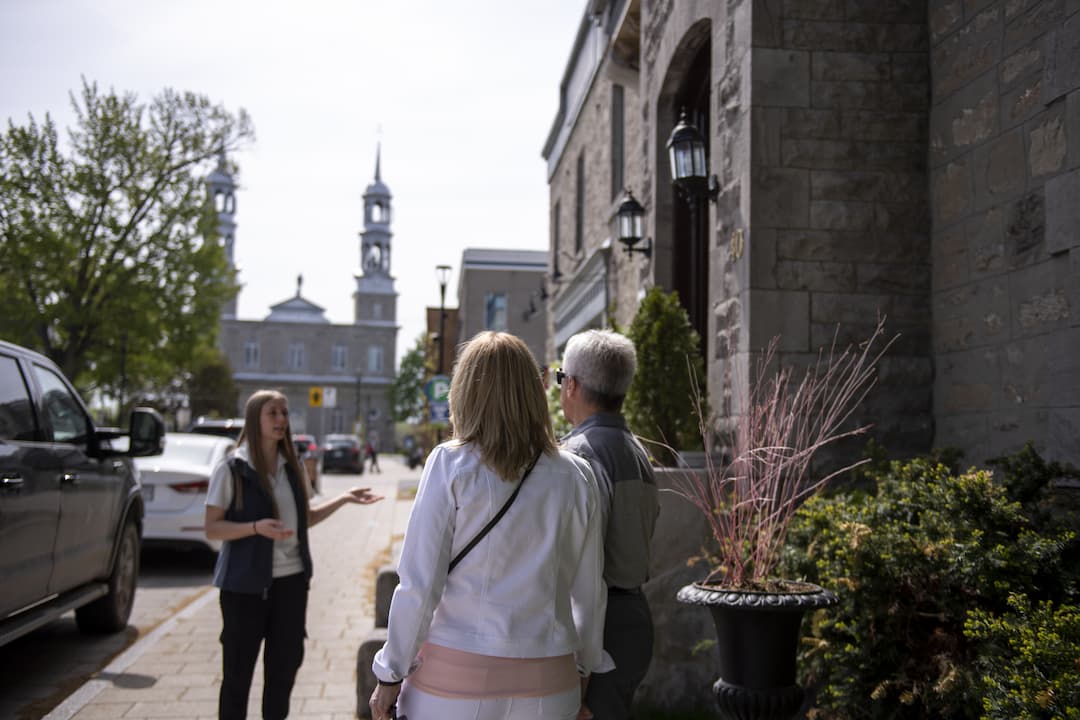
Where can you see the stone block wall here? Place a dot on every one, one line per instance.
(1004, 156)
(839, 203)
(591, 135)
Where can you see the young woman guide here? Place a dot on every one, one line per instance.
(259, 504)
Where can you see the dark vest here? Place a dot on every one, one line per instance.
(246, 565)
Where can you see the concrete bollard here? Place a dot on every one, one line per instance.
(365, 679)
(385, 582)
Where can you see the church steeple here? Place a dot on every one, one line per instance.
(375, 300)
(222, 192)
(375, 238)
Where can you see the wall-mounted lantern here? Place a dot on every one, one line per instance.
(689, 166)
(629, 224)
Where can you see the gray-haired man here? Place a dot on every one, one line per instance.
(597, 368)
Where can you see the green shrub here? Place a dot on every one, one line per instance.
(1034, 669)
(660, 403)
(909, 560)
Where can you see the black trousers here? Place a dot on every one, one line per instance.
(249, 621)
(628, 638)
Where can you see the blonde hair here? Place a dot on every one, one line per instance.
(252, 432)
(497, 402)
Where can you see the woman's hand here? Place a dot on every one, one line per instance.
(273, 529)
(361, 496)
(383, 701)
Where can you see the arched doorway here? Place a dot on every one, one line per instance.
(690, 257)
(681, 225)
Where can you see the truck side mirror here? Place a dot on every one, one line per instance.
(147, 432)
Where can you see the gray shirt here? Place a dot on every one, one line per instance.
(629, 497)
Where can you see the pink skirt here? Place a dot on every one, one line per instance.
(451, 673)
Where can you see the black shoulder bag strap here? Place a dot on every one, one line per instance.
(498, 516)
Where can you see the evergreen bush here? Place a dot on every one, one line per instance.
(660, 404)
(934, 569)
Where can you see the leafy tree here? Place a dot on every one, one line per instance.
(109, 260)
(210, 388)
(660, 404)
(559, 422)
(407, 398)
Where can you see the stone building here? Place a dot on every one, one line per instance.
(503, 290)
(917, 160)
(337, 376)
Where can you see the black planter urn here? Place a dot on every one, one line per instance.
(757, 636)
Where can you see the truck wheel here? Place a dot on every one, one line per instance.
(110, 613)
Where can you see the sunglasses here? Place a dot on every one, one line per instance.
(559, 377)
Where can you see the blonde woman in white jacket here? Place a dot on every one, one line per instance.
(515, 629)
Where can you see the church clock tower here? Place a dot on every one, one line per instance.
(222, 191)
(375, 299)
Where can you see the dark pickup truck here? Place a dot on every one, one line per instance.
(70, 506)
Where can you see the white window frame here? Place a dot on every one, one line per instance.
(296, 358)
(375, 359)
(339, 357)
(251, 354)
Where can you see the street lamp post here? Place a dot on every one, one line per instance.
(442, 273)
(358, 422)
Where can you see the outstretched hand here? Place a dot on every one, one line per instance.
(361, 496)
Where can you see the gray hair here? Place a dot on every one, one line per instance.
(601, 360)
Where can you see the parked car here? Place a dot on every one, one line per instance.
(174, 486)
(71, 512)
(343, 452)
(225, 427)
(307, 451)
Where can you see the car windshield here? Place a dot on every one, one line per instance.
(340, 442)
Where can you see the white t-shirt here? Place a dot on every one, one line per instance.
(287, 560)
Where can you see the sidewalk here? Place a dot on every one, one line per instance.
(175, 671)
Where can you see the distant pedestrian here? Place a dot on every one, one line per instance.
(597, 369)
(258, 503)
(373, 456)
(513, 628)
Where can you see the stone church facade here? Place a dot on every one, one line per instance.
(917, 160)
(297, 350)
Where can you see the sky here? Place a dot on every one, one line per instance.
(460, 95)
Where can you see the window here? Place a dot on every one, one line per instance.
(339, 357)
(495, 311)
(251, 355)
(579, 210)
(69, 424)
(375, 359)
(376, 311)
(295, 360)
(617, 140)
(16, 413)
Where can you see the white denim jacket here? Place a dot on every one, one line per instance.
(533, 587)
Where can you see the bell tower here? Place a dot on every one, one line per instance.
(375, 298)
(222, 191)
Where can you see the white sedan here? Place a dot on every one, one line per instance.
(174, 488)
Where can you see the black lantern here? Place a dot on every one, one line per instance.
(629, 222)
(689, 169)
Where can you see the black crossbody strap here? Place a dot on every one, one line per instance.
(498, 516)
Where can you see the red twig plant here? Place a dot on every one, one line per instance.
(788, 416)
